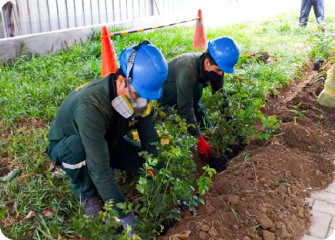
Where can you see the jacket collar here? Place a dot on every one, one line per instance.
(111, 86)
(201, 71)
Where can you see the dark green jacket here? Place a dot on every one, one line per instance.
(184, 86)
(88, 112)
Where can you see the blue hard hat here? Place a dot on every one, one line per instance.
(150, 70)
(224, 52)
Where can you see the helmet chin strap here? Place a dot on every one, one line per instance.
(130, 66)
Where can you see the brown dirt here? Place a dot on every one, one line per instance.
(269, 182)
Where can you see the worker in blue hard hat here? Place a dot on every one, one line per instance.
(87, 136)
(189, 74)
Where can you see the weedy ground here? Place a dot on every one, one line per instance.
(38, 204)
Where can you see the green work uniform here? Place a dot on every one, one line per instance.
(87, 139)
(184, 87)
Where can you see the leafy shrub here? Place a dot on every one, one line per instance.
(173, 185)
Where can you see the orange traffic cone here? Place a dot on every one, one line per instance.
(200, 40)
(109, 62)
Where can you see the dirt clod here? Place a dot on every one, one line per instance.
(203, 235)
(265, 221)
(234, 199)
(268, 235)
(205, 228)
(213, 232)
(280, 225)
(217, 223)
(285, 234)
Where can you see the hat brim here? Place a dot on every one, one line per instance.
(150, 95)
(226, 69)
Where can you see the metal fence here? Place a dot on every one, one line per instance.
(36, 16)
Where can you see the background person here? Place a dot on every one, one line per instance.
(319, 11)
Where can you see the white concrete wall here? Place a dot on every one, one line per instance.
(219, 14)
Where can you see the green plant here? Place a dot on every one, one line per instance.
(247, 156)
(284, 183)
(256, 226)
(234, 212)
(238, 121)
(322, 46)
(104, 226)
(301, 211)
(173, 183)
(204, 182)
(3, 212)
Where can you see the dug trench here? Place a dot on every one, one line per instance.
(264, 192)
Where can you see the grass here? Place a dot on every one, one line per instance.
(32, 88)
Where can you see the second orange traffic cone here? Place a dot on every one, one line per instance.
(109, 62)
(200, 40)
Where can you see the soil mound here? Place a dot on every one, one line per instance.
(262, 194)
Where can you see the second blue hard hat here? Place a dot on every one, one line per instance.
(225, 53)
(150, 70)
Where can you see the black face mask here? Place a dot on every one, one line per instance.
(213, 76)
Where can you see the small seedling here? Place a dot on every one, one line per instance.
(234, 212)
(284, 183)
(301, 212)
(256, 226)
(247, 157)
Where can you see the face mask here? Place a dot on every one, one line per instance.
(138, 108)
(213, 76)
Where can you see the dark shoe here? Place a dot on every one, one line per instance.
(91, 206)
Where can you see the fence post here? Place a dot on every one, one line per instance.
(151, 7)
(8, 20)
(2, 11)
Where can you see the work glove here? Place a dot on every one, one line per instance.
(130, 219)
(203, 147)
(218, 163)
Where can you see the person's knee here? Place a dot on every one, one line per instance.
(71, 152)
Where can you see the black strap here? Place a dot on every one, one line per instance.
(130, 66)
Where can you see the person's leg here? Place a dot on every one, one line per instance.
(304, 12)
(69, 154)
(125, 156)
(318, 6)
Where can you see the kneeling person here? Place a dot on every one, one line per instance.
(189, 74)
(87, 135)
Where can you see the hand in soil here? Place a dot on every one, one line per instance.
(218, 163)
